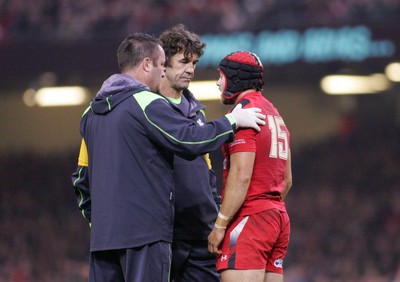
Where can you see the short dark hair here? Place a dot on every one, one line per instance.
(134, 48)
(177, 39)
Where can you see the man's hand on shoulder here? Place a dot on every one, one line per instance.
(249, 117)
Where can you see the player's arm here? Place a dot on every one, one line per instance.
(288, 177)
(237, 184)
(80, 182)
(171, 130)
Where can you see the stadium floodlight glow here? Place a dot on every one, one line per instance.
(205, 90)
(56, 96)
(392, 72)
(354, 84)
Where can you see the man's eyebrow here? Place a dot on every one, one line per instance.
(187, 59)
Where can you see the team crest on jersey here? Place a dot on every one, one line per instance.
(200, 122)
(278, 263)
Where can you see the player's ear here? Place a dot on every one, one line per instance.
(147, 64)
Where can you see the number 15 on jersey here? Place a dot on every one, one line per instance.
(279, 138)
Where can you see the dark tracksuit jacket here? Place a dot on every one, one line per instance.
(195, 187)
(127, 189)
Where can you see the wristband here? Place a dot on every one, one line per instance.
(219, 226)
(224, 217)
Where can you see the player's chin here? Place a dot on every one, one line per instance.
(184, 83)
(226, 101)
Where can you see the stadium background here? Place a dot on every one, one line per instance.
(344, 204)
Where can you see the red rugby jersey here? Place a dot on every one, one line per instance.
(271, 145)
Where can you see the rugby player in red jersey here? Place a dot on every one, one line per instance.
(251, 232)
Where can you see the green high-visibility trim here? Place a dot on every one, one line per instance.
(108, 102)
(144, 98)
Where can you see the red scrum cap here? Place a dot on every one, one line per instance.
(243, 70)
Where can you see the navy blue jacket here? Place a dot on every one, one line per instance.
(131, 136)
(195, 187)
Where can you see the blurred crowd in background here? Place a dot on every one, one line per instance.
(65, 20)
(344, 207)
(43, 237)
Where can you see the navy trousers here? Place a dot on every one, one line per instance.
(149, 263)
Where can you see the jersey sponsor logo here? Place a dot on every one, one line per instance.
(278, 263)
(224, 257)
(237, 142)
(200, 122)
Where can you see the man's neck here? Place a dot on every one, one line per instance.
(169, 92)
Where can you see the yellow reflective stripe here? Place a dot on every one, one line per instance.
(83, 159)
(208, 160)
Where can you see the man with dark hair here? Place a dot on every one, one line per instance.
(195, 182)
(251, 233)
(124, 180)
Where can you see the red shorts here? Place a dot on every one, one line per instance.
(257, 241)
